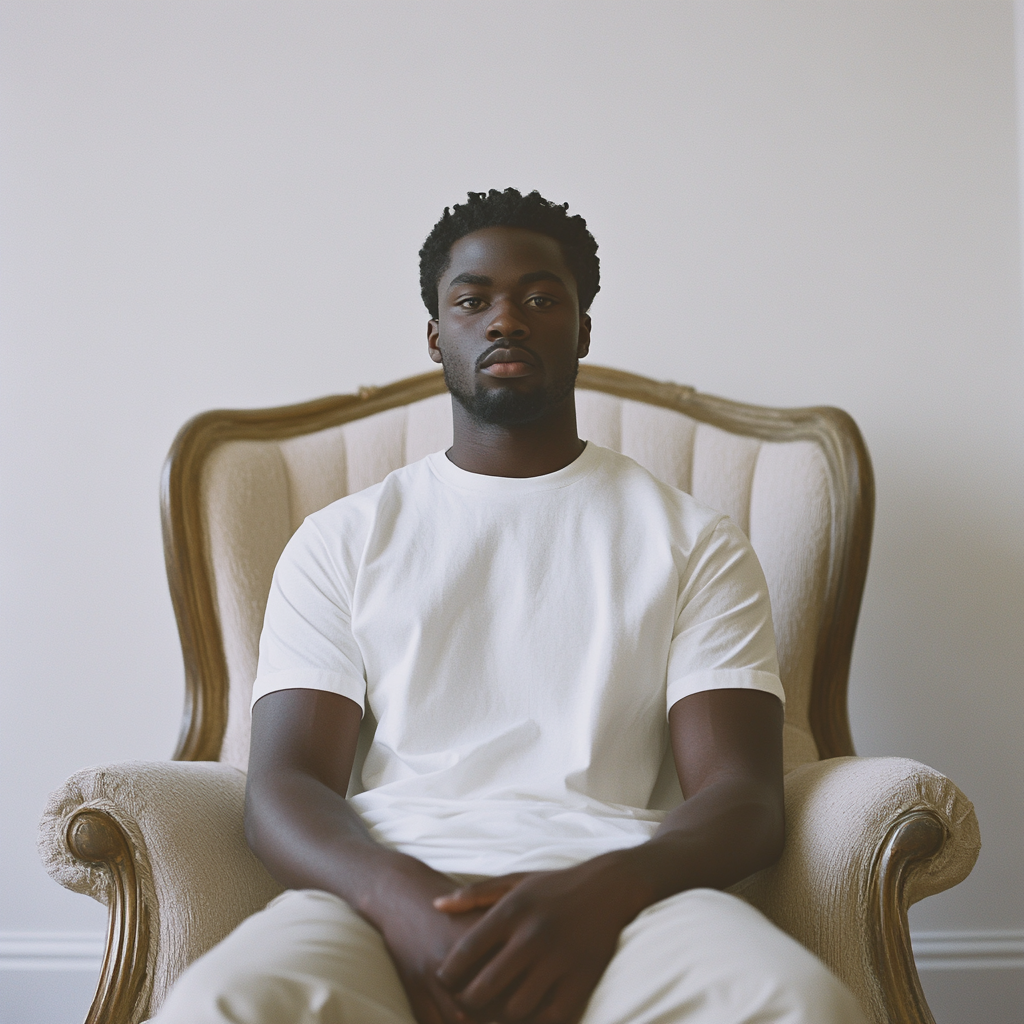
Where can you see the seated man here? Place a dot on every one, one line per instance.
(531, 620)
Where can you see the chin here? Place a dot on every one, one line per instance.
(504, 406)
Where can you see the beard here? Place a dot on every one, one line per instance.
(503, 407)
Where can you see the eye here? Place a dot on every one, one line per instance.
(470, 302)
(540, 301)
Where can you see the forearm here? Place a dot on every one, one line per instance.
(308, 836)
(723, 833)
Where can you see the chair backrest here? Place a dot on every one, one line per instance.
(237, 484)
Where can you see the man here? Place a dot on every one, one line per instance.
(531, 619)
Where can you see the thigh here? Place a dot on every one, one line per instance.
(308, 958)
(704, 956)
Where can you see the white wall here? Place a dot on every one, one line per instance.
(220, 204)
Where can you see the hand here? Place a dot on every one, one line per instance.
(539, 951)
(418, 938)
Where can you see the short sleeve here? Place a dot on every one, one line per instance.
(307, 640)
(723, 637)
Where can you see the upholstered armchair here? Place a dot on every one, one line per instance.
(162, 844)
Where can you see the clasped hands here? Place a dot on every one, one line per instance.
(525, 947)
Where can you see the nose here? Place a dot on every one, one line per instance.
(507, 323)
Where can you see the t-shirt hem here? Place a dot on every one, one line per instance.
(308, 679)
(725, 679)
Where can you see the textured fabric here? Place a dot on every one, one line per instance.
(701, 957)
(198, 876)
(245, 486)
(200, 879)
(837, 815)
(790, 528)
(511, 637)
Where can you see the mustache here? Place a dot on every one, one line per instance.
(498, 346)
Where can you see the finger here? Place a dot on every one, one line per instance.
(459, 902)
(478, 895)
(449, 1010)
(501, 974)
(469, 953)
(566, 1004)
(432, 1005)
(426, 1011)
(532, 991)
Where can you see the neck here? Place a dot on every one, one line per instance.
(542, 446)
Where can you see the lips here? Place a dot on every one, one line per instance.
(507, 362)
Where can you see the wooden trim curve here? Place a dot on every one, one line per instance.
(851, 483)
(95, 837)
(914, 838)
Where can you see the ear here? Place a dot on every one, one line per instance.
(583, 344)
(433, 331)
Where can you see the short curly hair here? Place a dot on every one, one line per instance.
(513, 210)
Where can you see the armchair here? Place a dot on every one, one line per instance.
(162, 844)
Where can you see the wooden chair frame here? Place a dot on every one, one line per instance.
(97, 838)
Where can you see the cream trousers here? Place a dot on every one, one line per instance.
(701, 957)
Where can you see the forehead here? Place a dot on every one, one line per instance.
(500, 252)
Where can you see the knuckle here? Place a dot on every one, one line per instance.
(539, 930)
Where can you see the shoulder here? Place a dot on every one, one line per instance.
(361, 507)
(639, 487)
(339, 531)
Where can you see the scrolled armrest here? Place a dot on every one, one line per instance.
(162, 845)
(866, 838)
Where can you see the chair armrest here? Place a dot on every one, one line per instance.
(161, 843)
(865, 838)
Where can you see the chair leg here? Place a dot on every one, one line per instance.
(122, 995)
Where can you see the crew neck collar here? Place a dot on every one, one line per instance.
(451, 474)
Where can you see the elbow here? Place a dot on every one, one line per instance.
(251, 817)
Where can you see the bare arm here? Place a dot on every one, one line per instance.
(540, 950)
(298, 822)
(728, 752)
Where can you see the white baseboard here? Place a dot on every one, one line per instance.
(934, 951)
(990, 949)
(51, 951)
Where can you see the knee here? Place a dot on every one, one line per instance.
(751, 966)
(212, 994)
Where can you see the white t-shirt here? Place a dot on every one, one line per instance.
(519, 641)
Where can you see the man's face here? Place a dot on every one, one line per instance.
(509, 332)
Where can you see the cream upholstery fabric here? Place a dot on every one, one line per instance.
(196, 871)
(257, 494)
(186, 822)
(837, 812)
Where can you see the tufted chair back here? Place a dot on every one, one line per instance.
(237, 484)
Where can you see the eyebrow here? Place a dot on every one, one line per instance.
(536, 275)
(470, 279)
